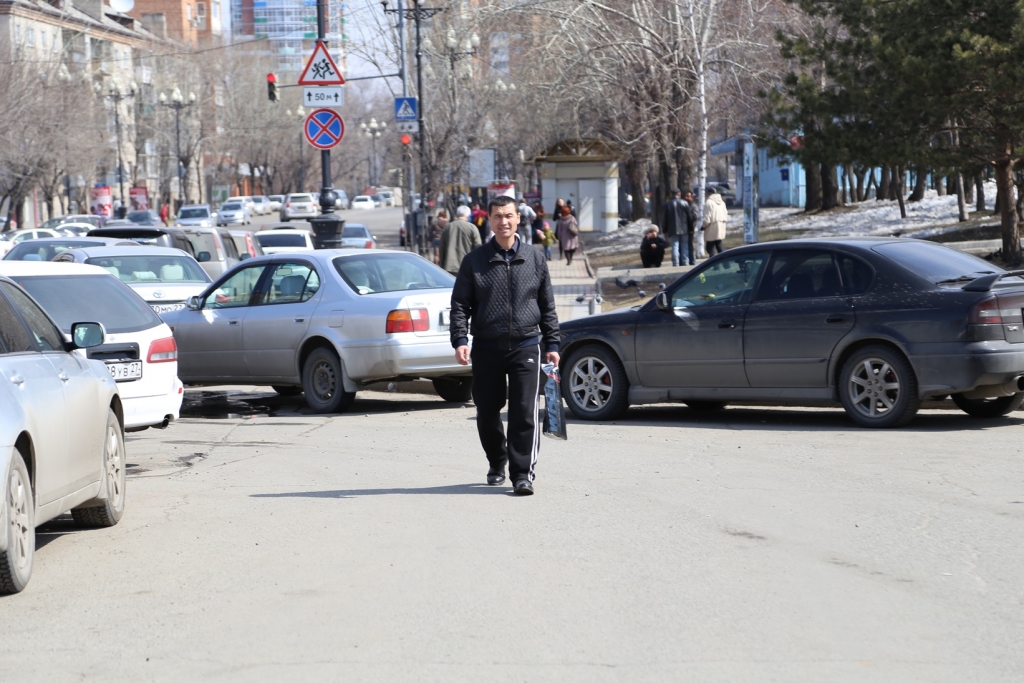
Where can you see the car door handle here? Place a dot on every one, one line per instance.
(17, 379)
(300, 320)
(63, 376)
(727, 325)
(833, 319)
(232, 322)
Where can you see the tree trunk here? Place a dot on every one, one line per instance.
(1008, 216)
(872, 185)
(942, 186)
(861, 188)
(843, 178)
(813, 187)
(635, 173)
(883, 183)
(899, 176)
(979, 186)
(961, 200)
(829, 188)
(968, 189)
(919, 184)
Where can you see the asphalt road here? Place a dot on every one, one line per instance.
(264, 543)
(384, 223)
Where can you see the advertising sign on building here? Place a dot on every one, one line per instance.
(100, 203)
(139, 197)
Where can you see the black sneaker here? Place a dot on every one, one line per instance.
(496, 476)
(524, 487)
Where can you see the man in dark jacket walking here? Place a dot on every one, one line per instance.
(503, 297)
(678, 228)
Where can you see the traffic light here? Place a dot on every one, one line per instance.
(406, 140)
(272, 94)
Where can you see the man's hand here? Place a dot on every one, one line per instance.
(462, 355)
(553, 357)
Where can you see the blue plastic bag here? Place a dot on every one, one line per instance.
(554, 412)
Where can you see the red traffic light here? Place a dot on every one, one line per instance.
(271, 78)
(406, 139)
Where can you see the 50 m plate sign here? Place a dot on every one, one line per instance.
(333, 96)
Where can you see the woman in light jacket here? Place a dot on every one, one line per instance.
(716, 217)
(568, 234)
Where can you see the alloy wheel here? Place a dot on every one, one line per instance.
(874, 387)
(115, 467)
(19, 516)
(590, 383)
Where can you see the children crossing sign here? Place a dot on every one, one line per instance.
(321, 69)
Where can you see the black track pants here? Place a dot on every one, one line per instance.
(520, 368)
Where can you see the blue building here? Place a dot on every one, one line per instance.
(779, 183)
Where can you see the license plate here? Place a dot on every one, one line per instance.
(125, 372)
(167, 308)
(446, 318)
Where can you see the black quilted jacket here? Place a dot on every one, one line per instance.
(497, 300)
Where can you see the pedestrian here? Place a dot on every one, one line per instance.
(676, 225)
(555, 215)
(479, 219)
(503, 297)
(652, 248)
(538, 222)
(572, 209)
(568, 232)
(164, 213)
(526, 218)
(458, 239)
(716, 219)
(436, 230)
(548, 240)
(696, 226)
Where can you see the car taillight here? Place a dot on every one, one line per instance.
(369, 244)
(287, 205)
(997, 310)
(413, 320)
(163, 351)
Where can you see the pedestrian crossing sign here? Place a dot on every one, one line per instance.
(406, 109)
(321, 69)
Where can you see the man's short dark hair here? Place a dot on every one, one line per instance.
(675, 191)
(500, 200)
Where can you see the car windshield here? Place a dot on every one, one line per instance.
(139, 216)
(279, 240)
(934, 262)
(355, 231)
(167, 269)
(195, 212)
(231, 206)
(95, 298)
(391, 273)
(300, 198)
(276, 198)
(34, 250)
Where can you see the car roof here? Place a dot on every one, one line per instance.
(130, 231)
(284, 231)
(195, 206)
(361, 196)
(855, 242)
(98, 241)
(141, 250)
(32, 268)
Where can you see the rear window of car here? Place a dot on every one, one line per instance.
(139, 216)
(198, 212)
(45, 251)
(362, 198)
(355, 232)
(231, 206)
(203, 241)
(300, 198)
(151, 269)
(278, 240)
(90, 298)
(391, 273)
(933, 262)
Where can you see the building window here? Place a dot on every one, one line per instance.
(201, 10)
(188, 11)
(30, 37)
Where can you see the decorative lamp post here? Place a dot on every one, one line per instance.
(115, 95)
(178, 103)
(373, 131)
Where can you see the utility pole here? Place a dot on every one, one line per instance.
(327, 226)
(409, 187)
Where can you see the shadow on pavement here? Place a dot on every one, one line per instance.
(233, 405)
(455, 489)
(55, 528)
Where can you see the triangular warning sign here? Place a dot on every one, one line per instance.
(321, 69)
(405, 111)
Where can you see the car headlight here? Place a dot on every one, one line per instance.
(204, 224)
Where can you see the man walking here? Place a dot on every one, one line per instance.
(503, 296)
(675, 227)
(458, 239)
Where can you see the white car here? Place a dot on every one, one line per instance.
(18, 236)
(298, 206)
(261, 205)
(276, 200)
(246, 201)
(139, 349)
(233, 212)
(61, 433)
(279, 240)
(363, 202)
(165, 278)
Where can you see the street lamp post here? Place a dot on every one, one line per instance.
(373, 131)
(178, 103)
(115, 95)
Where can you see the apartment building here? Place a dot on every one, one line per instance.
(289, 29)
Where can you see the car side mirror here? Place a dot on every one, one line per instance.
(193, 303)
(661, 301)
(203, 256)
(87, 335)
(243, 256)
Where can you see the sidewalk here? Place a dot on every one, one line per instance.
(569, 282)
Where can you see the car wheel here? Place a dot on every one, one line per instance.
(108, 511)
(16, 561)
(988, 407)
(595, 386)
(454, 389)
(878, 388)
(706, 406)
(285, 219)
(321, 382)
(287, 390)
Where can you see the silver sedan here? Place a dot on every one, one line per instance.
(324, 323)
(61, 431)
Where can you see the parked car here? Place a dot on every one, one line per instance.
(356, 236)
(19, 236)
(162, 237)
(233, 213)
(246, 244)
(54, 223)
(214, 249)
(144, 217)
(49, 248)
(61, 438)
(387, 198)
(261, 205)
(195, 215)
(276, 200)
(298, 206)
(378, 201)
(165, 278)
(340, 199)
(139, 351)
(875, 324)
(246, 201)
(363, 202)
(326, 323)
(280, 241)
(74, 229)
